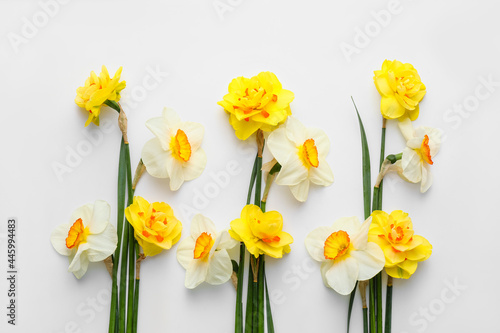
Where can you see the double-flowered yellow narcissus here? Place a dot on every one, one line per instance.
(345, 254)
(261, 232)
(89, 237)
(97, 90)
(256, 103)
(402, 248)
(301, 152)
(155, 226)
(204, 254)
(175, 151)
(401, 90)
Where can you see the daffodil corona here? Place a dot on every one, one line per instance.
(302, 154)
(155, 226)
(345, 254)
(256, 103)
(89, 237)
(403, 249)
(97, 90)
(175, 151)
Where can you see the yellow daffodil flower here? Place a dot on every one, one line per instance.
(402, 248)
(96, 91)
(204, 254)
(261, 232)
(345, 254)
(89, 237)
(156, 228)
(256, 103)
(302, 154)
(401, 90)
(175, 152)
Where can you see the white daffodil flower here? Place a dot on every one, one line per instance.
(422, 145)
(204, 254)
(301, 152)
(175, 153)
(345, 254)
(89, 237)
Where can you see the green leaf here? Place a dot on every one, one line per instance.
(366, 166)
(351, 303)
(113, 105)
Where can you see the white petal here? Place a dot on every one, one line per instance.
(415, 143)
(194, 167)
(412, 165)
(315, 242)
(280, 146)
(370, 261)
(292, 172)
(342, 276)
(172, 119)
(350, 225)
(196, 273)
(58, 239)
(226, 241)
(102, 245)
(426, 178)
(175, 173)
(201, 224)
(406, 128)
(322, 175)
(158, 126)
(360, 239)
(320, 140)
(84, 213)
(301, 190)
(194, 132)
(78, 261)
(81, 268)
(296, 131)
(220, 268)
(325, 267)
(155, 158)
(185, 251)
(100, 217)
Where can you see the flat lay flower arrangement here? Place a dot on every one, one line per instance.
(353, 254)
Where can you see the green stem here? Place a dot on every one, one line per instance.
(136, 293)
(136, 306)
(261, 295)
(113, 313)
(365, 320)
(238, 324)
(388, 306)
(378, 205)
(132, 254)
(258, 182)
(123, 280)
(269, 315)
(372, 304)
(351, 303)
(249, 309)
(378, 284)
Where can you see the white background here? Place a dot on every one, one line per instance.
(454, 46)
